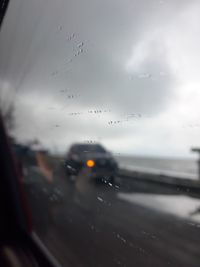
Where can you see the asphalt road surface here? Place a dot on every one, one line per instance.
(114, 225)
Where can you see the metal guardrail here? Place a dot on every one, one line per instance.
(170, 181)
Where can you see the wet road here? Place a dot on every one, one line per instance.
(111, 225)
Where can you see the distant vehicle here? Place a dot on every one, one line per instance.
(98, 163)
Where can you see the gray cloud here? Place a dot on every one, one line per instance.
(76, 56)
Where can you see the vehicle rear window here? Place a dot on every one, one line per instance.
(89, 148)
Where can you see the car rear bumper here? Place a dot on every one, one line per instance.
(102, 173)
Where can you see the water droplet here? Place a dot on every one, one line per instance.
(100, 199)
(144, 75)
(71, 37)
(80, 51)
(121, 238)
(80, 45)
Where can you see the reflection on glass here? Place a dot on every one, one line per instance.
(101, 104)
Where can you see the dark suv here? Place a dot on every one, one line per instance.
(92, 160)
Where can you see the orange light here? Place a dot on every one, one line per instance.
(90, 163)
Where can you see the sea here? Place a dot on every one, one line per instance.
(181, 168)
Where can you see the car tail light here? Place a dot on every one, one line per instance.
(90, 163)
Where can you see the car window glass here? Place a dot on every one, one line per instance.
(100, 100)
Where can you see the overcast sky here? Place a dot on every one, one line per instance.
(123, 73)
